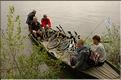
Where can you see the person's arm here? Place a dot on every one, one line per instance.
(49, 23)
(42, 23)
(39, 26)
(99, 50)
(30, 28)
(29, 18)
(100, 53)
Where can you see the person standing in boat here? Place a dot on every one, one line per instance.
(98, 54)
(45, 22)
(36, 28)
(30, 18)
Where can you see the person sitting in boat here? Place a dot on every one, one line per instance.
(30, 18)
(98, 54)
(80, 58)
(36, 28)
(45, 22)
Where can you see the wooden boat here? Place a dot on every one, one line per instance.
(107, 71)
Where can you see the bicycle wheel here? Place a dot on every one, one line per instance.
(53, 44)
(64, 44)
(53, 37)
(45, 36)
(50, 33)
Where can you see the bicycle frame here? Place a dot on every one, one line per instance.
(70, 42)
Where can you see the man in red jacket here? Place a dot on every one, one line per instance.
(45, 22)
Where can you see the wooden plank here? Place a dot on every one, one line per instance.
(105, 73)
(113, 72)
(114, 68)
(92, 72)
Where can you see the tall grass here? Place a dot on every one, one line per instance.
(11, 46)
(112, 37)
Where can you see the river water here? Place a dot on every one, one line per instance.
(80, 16)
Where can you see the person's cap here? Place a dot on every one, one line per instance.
(34, 11)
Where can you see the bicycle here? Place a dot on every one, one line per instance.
(47, 33)
(55, 40)
(63, 43)
(68, 44)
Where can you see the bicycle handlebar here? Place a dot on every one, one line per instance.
(58, 28)
(62, 29)
(71, 36)
(75, 33)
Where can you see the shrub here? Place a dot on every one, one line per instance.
(11, 46)
(112, 37)
(17, 65)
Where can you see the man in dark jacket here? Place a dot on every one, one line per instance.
(36, 28)
(30, 18)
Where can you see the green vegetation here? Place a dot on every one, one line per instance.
(14, 62)
(112, 37)
(31, 66)
(11, 46)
